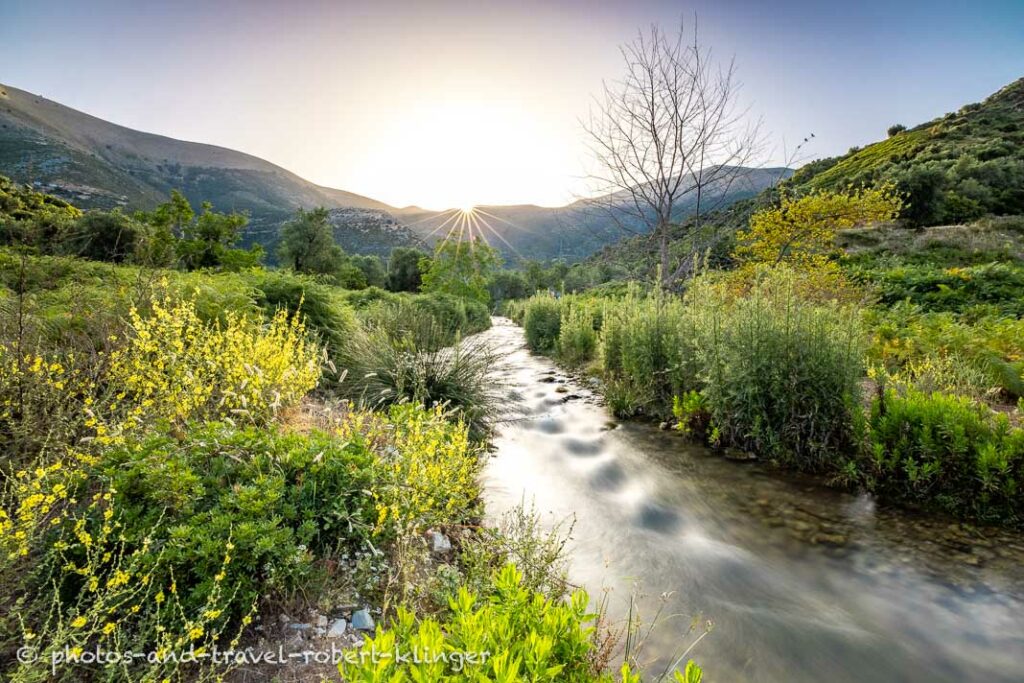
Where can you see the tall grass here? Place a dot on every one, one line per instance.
(385, 365)
(577, 339)
(542, 323)
(647, 353)
(781, 375)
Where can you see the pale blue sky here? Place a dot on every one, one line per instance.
(440, 103)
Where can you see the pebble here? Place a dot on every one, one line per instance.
(440, 543)
(337, 629)
(362, 621)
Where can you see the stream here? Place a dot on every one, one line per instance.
(799, 581)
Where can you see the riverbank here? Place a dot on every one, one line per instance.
(778, 365)
(801, 582)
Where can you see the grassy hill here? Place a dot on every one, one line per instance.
(952, 169)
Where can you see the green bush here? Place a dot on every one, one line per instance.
(361, 298)
(478, 317)
(999, 286)
(323, 307)
(280, 499)
(525, 636)
(448, 313)
(946, 452)
(542, 322)
(577, 340)
(781, 374)
(647, 348)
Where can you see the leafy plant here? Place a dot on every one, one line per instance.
(948, 452)
(782, 375)
(542, 322)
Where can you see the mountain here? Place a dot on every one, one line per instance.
(571, 232)
(97, 164)
(952, 169)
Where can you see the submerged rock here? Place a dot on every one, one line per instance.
(737, 455)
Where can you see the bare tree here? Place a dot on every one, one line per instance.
(668, 138)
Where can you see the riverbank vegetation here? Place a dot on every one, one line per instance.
(826, 349)
(195, 449)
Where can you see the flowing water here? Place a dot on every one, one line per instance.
(800, 582)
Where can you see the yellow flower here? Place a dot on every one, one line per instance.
(79, 622)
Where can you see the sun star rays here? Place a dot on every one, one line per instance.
(467, 226)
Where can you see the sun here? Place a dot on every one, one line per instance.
(467, 208)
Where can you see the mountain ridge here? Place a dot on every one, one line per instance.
(95, 163)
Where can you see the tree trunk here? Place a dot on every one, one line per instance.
(664, 274)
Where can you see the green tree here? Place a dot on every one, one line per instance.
(372, 268)
(208, 242)
(350, 276)
(404, 274)
(461, 269)
(506, 285)
(106, 236)
(307, 244)
(173, 215)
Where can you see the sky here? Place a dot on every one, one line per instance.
(456, 103)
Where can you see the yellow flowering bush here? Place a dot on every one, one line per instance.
(176, 367)
(428, 467)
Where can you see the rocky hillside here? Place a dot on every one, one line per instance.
(369, 231)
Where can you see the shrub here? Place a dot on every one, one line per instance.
(525, 636)
(175, 367)
(279, 500)
(647, 352)
(384, 369)
(167, 367)
(322, 308)
(426, 475)
(947, 452)
(986, 352)
(542, 322)
(105, 236)
(175, 540)
(782, 375)
(577, 340)
(478, 317)
(657, 353)
(362, 298)
(448, 313)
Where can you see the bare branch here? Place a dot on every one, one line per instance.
(667, 138)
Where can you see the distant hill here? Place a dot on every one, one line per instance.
(952, 169)
(570, 232)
